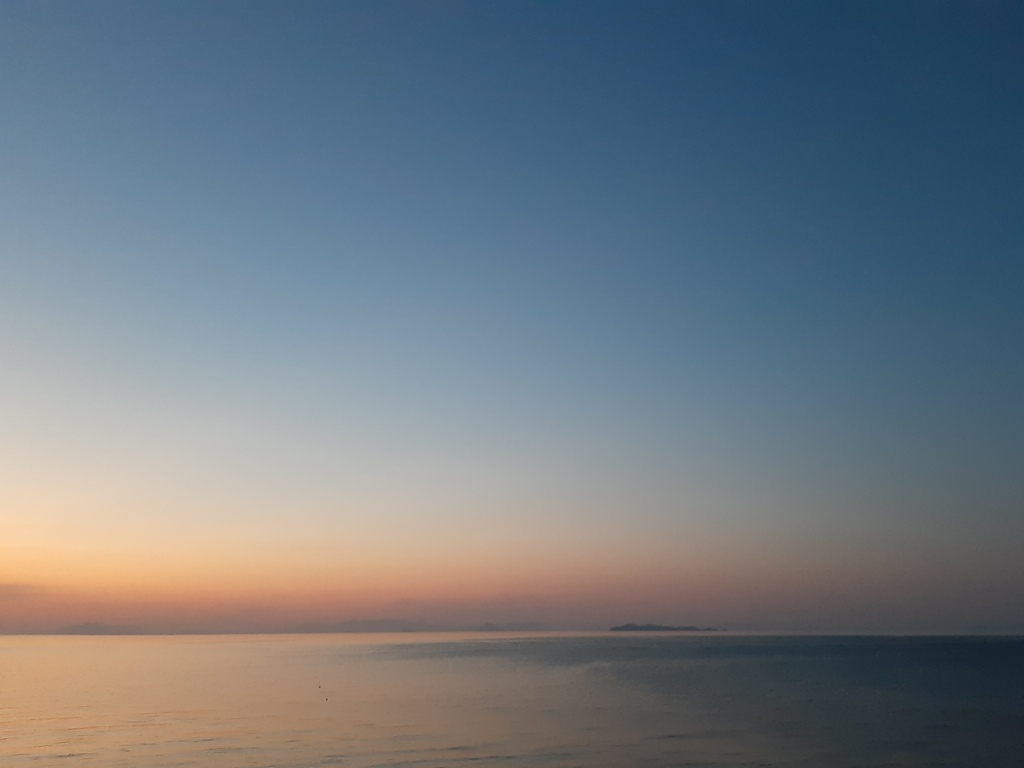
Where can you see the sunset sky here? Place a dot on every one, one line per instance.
(575, 313)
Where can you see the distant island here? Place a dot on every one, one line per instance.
(660, 628)
(95, 628)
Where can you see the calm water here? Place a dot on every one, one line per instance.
(482, 700)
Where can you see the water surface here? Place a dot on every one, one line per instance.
(510, 700)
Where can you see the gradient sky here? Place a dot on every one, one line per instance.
(568, 312)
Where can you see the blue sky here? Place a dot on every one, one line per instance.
(594, 280)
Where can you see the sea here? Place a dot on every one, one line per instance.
(418, 700)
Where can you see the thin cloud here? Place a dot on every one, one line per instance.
(15, 591)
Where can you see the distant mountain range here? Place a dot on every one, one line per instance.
(94, 628)
(380, 625)
(660, 628)
(366, 626)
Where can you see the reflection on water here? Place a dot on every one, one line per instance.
(445, 700)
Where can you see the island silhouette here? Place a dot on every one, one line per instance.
(660, 628)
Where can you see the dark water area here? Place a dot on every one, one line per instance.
(837, 700)
(512, 700)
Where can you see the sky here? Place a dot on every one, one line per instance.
(574, 313)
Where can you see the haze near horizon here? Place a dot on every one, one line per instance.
(703, 313)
